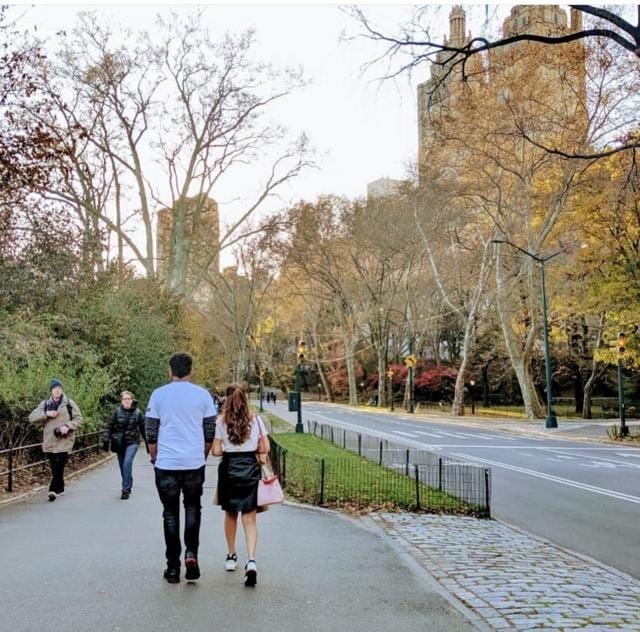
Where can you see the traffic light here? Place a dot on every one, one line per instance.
(622, 342)
(302, 347)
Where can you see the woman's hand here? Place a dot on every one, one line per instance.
(216, 448)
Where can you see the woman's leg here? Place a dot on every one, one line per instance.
(127, 466)
(230, 529)
(250, 532)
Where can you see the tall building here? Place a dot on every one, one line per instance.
(206, 242)
(442, 92)
(384, 187)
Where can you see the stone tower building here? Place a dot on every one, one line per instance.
(442, 91)
(205, 242)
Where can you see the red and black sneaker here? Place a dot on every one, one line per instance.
(193, 570)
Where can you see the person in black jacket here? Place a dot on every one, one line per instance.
(123, 433)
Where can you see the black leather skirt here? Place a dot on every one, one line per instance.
(238, 476)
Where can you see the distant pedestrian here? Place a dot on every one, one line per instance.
(240, 435)
(180, 426)
(273, 398)
(122, 436)
(59, 417)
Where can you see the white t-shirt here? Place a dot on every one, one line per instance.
(250, 445)
(180, 407)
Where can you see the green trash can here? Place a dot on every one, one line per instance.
(293, 401)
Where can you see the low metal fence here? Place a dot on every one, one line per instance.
(385, 475)
(23, 458)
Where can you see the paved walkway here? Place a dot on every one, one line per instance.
(90, 561)
(514, 580)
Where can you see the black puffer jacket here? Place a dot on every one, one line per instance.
(131, 422)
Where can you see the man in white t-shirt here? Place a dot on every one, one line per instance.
(180, 426)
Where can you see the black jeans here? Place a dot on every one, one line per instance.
(169, 484)
(57, 461)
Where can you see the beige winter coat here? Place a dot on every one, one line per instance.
(51, 443)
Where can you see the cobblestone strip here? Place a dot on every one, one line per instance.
(514, 580)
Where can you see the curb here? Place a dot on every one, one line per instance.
(37, 490)
(367, 524)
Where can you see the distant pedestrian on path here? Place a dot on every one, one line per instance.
(122, 435)
(273, 398)
(240, 435)
(180, 425)
(59, 418)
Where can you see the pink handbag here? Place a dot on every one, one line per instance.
(269, 489)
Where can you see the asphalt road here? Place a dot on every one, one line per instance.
(582, 496)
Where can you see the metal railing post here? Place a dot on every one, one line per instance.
(321, 482)
(380, 459)
(359, 444)
(406, 467)
(440, 474)
(417, 474)
(10, 481)
(487, 492)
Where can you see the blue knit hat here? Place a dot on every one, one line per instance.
(54, 382)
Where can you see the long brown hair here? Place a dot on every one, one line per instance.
(236, 415)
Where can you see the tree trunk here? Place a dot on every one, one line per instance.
(578, 387)
(486, 402)
(595, 372)
(519, 354)
(351, 371)
(382, 371)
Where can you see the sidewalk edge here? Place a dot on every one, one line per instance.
(37, 490)
(405, 555)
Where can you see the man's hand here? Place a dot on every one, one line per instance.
(52, 414)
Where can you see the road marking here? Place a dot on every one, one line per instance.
(554, 479)
(406, 434)
(430, 434)
(605, 460)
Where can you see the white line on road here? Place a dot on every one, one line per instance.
(554, 479)
(600, 458)
(406, 434)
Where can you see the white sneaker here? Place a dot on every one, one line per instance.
(250, 573)
(231, 562)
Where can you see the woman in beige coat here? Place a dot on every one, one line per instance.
(59, 417)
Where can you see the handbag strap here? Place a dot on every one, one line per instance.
(267, 459)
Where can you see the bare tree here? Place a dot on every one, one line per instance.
(414, 45)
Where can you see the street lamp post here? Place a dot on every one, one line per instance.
(302, 347)
(390, 378)
(551, 421)
(472, 383)
(622, 345)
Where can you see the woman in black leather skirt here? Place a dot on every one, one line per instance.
(240, 435)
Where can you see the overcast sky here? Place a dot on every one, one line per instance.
(362, 130)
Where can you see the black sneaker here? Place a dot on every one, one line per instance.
(172, 575)
(193, 570)
(250, 573)
(125, 495)
(52, 496)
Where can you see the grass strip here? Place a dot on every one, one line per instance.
(355, 483)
